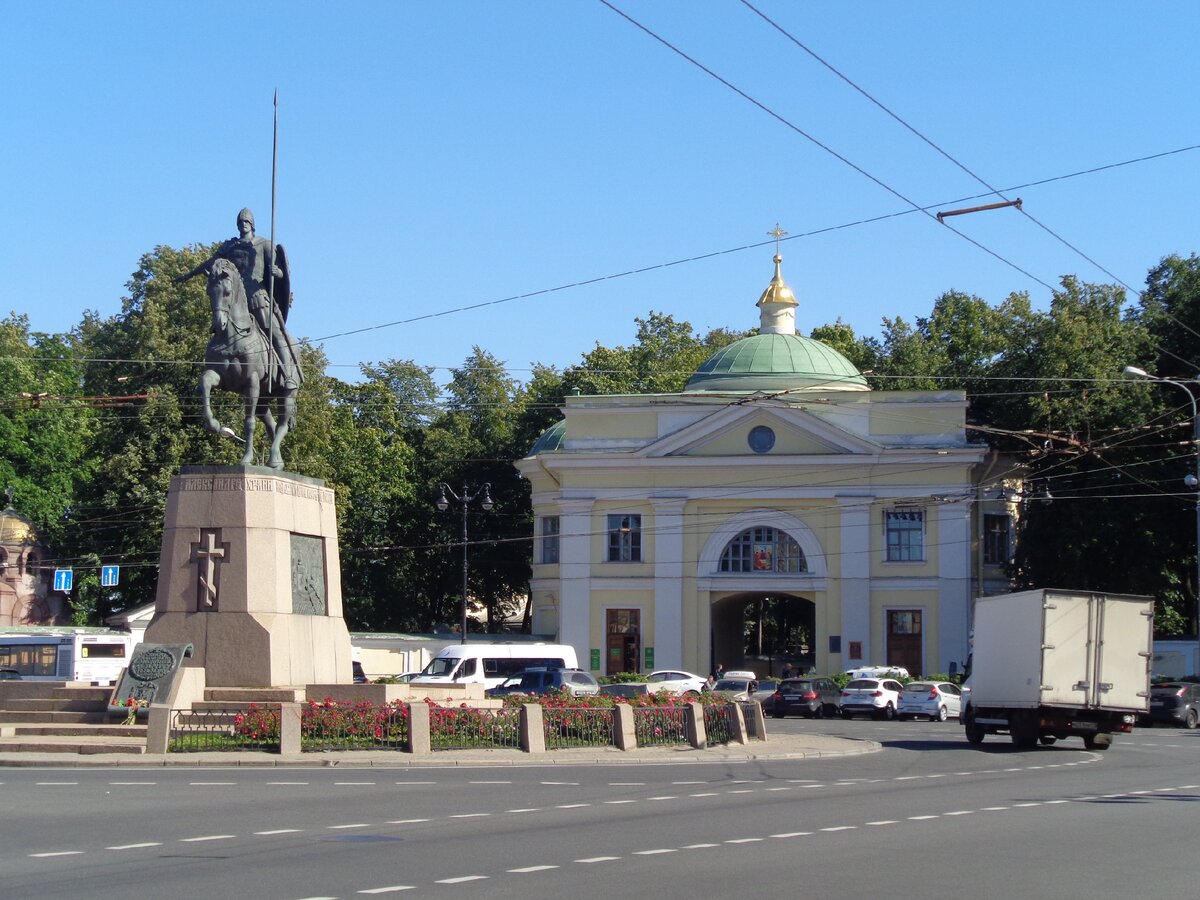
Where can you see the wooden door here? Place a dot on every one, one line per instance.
(624, 639)
(904, 639)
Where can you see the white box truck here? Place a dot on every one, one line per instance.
(1051, 664)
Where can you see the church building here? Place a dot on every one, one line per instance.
(25, 594)
(776, 509)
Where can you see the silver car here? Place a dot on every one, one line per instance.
(939, 700)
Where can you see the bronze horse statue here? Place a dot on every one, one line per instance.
(239, 358)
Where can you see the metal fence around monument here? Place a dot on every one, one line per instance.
(241, 728)
(330, 725)
(660, 726)
(566, 727)
(467, 728)
(717, 725)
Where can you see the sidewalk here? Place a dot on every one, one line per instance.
(776, 747)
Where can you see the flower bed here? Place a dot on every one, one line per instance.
(253, 728)
(330, 725)
(465, 728)
(568, 721)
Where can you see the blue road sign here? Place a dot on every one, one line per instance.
(63, 579)
(109, 576)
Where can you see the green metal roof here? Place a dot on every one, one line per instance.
(551, 440)
(777, 362)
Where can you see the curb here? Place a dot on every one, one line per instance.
(376, 759)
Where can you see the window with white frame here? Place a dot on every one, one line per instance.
(997, 539)
(763, 550)
(904, 530)
(624, 538)
(550, 539)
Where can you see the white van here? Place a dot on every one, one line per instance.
(489, 664)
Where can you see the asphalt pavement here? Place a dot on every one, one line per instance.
(775, 747)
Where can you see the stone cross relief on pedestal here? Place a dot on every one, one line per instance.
(208, 553)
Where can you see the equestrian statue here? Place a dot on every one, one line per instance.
(251, 351)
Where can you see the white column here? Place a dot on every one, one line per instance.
(954, 584)
(668, 583)
(855, 574)
(575, 573)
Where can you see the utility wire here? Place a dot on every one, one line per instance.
(946, 154)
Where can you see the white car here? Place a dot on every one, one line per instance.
(876, 697)
(878, 672)
(939, 700)
(736, 688)
(676, 682)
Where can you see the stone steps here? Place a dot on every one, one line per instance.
(63, 717)
(76, 744)
(50, 729)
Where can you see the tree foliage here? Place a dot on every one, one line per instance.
(91, 460)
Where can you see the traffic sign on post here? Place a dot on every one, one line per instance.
(63, 579)
(109, 576)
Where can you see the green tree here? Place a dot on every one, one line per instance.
(45, 427)
(472, 443)
(664, 356)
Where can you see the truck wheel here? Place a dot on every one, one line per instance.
(1047, 740)
(1192, 718)
(1098, 742)
(974, 732)
(942, 715)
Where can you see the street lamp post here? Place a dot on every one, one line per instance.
(464, 500)
(1192, 479)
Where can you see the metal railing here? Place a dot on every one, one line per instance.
(658, 726)
(567, 727)
(249, 728)
(717, 727)
(466, 728)
(353, 726)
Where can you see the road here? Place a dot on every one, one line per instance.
(928, 816)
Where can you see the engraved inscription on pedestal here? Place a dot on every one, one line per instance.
(151, 671)
(308, 576)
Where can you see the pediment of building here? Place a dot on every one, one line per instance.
(757, 431)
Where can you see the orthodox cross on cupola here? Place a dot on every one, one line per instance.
(777, 305)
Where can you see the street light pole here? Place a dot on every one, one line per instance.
(464, 500)
(1193, 478)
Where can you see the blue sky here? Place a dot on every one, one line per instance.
(435, 156)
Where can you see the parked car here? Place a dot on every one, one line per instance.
(676, 682)
(939, 700)
(10, 675)
(544, 680)
(735, 688)
(360, 677)
(878, 672)
(1176, 703)
(876, 697)
(406, 677)
(811, 697)
(765, 695)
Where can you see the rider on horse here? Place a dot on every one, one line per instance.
(252, 255)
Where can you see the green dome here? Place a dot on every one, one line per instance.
(777, 362)
(551, 440)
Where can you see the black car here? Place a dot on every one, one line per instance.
(811, 697)
(1176, 703)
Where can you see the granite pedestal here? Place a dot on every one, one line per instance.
(249, 576)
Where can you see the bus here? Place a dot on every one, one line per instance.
(97, 658)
